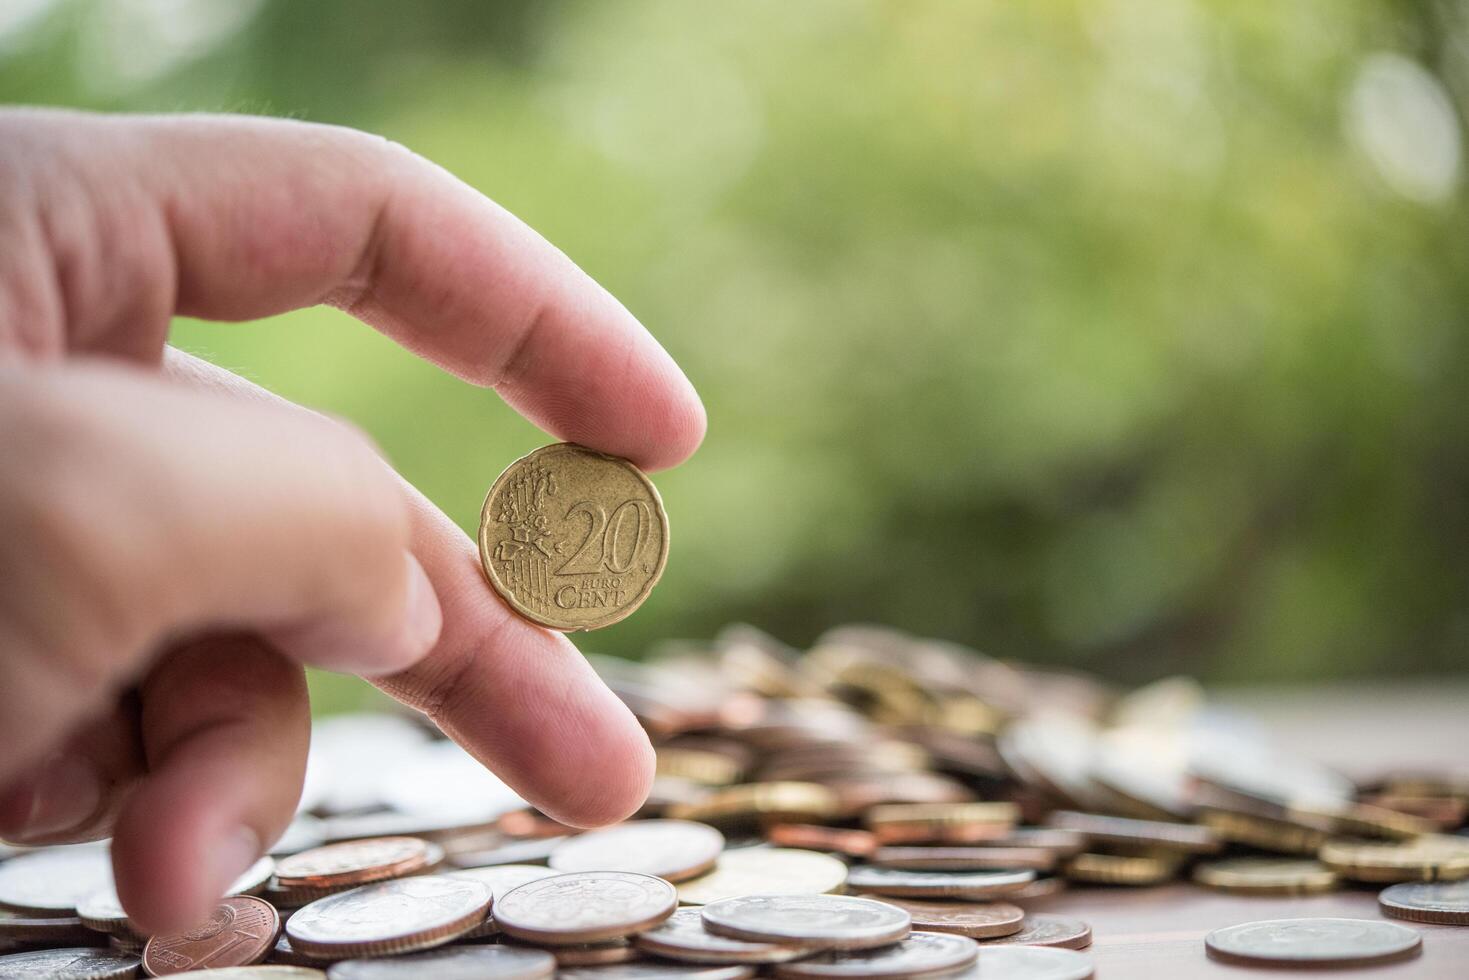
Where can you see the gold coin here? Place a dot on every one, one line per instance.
(1432, 857)
(765, 871)
(1266, 876)
(1116, 869)
(573, 539)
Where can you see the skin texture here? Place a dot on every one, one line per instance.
(175, 542)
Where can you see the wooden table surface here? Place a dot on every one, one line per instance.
(1360, 729)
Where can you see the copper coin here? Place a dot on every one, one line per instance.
(647, 970)
(670, 849)
(1446, 903)
(585, 907)
(922, 954)
(1313, 942)
(48, 930)
(68, 964)
(814, 837)
(964, 858)
(453, 963)
(1028, 963)
(387, 917)
(682, 936)
(54, 879)
(977, 920)
(1191, 838)
(240, 931)
(1048, 930)
(938, 884)
(831, 921)
(352, 863)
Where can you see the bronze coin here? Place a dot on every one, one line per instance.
(938, 884)
(977, 920)
(1313, 942)
(964, 858)
(682, 936)
(386, 917)
(452, 963)
(584, 907)
(814, 837)
(1445, 903)
(922, 954)
(831, 921)
(669, 849)
(351, 863)
(68, 964)
(573, 539)
(240, 931)
(1048, 930)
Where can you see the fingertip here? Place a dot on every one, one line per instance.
(617, 777)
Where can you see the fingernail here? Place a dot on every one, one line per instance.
(423, 618)
(228, 860)
(64, 794)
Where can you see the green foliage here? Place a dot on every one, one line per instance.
(1082, 332)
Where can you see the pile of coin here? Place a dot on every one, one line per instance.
(879, 806)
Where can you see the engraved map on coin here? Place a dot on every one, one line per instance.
(1318, 942)
(573, 539)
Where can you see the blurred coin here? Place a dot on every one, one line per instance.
(590, 954)
(352, 863)
(1433, 857)
(391, 823)
(1446, 903)
(573, 539)
(762, 802)
(303, 832)
(46, 929)
(964, 858)
(832, 921)
(585, 907)
(670, 849)
(241, 930)
(1041, 888)
(1261, 771)
(1444, 812)
(937, 884)
(452, 963)
(814, 837)
(285, 953)
(922, 954)
(1265, 833)
(1028, 963)
(1048, 930)
(682, 936)
(1118, 869)
(1054, 749)
(1267, 876)
(68, 964)
(503, 877)
(655, 971)
(766, 871)
(267, 972)
(940, 816)
(253, 878)
(1191, 838)
(977, 920)
(395, 916)
(512, 852)
(54, 879)
(1313, 942)
(1062, 843)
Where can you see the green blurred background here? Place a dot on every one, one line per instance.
(1125, 334)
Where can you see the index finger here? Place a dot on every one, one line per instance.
(248, 217)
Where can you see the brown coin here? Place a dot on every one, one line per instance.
(351, 863)
(964, 858)
(670, 849)
(1313, 942)
(573, 539)
(452, 963)
(649, 970)
(922, 954)
(1048, 930)
(1267, 876)
(68, 964)
(1190, 838)
(386, 917)
(240, 931)
(1445, 903)
(682, 936)
(830, 921)
(585, 907)
(54, 879)
(49, 930)
(1432, 857)
(938, 884)
(814, 837)
(977, 920)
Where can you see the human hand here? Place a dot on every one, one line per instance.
(175, 542)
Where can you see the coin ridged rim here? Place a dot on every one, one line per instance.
(759, 951)
(718, 918)
(351, 877)
(1391, 905)
(614, 616)
(1412, 945)
(1071, 933)
(425, 938)
(962, 953)
(114, 972)
(1006, 919)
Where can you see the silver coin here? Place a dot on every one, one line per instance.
(503, 877)
(68, 964)
(1443, 902)
(655, 971)
(671, 849)
(938, 884)
(389, 916)
(1028, 963)
(1317, 942)
(1048, 930)
(303, 833)
(102, 909)
(834, 921)
(585, 907)
(683, 937)
(514, 852)
(453, 963)
(55, 879)
(922, 954)
(266, 971)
